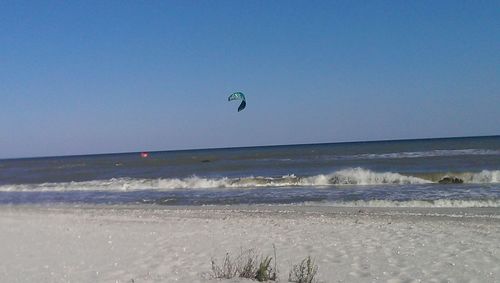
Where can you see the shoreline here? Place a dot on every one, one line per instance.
(476, 213)
(153, 243)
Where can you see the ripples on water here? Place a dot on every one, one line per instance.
(391, 173)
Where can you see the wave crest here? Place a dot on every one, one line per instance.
(352, 176)
(421, 154)
(360, 176)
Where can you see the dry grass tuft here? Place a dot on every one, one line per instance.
(246, 265)
(303, 272)
(227, 270)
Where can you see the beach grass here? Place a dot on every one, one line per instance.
(248, 264)
(304, 272)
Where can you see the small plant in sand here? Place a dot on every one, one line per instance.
(227, 270)
(303, 272)
(265, 272)
(246, 265)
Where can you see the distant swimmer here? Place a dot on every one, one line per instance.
(238, 96)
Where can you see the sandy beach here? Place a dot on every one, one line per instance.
(176, 244)
(163, 141)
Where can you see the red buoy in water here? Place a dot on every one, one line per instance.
(144, 154)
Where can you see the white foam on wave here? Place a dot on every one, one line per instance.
(360, 176)
(351, 176)
(431, 153)
(416, 203)
(485, 176)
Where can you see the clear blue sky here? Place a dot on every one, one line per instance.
(80, 77)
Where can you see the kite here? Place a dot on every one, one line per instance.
(238, 96)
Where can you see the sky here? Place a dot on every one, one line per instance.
(84, 77)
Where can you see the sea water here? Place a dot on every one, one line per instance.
(449, 172)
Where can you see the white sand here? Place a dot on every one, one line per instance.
(161, 244)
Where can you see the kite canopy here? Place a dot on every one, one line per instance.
(238, 96)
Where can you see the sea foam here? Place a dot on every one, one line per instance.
(351, 176)
(421, 154)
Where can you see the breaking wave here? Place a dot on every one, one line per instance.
(420, 154)
(352, 176)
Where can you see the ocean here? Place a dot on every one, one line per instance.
(446, 172)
